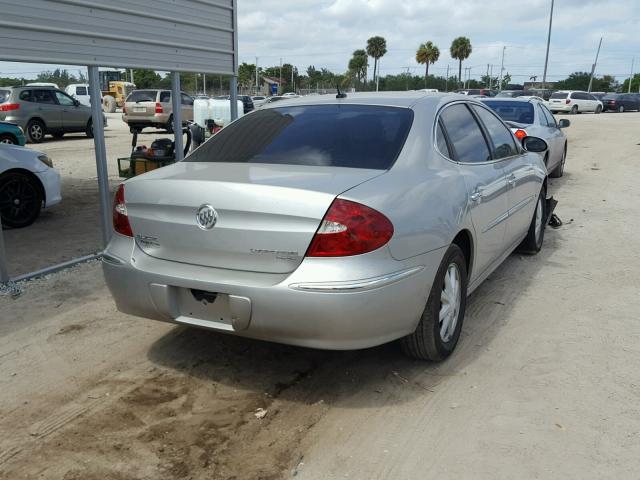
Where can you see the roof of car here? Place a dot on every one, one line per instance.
(523, 99)
(396, 99)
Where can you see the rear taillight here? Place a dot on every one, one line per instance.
(159, 108)
(520, 134)
(121, 223)
(7, 107)
(567, 101)
(349, 228)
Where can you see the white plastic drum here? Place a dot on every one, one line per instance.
(201, 111)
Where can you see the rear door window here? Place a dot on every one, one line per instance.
(43, 96)
(467, 139)
(501, 137)
(354, 136)
(25, 96)
(81, 91)
(142, 96)
(4, 95)
(551, 120)
(558, 95)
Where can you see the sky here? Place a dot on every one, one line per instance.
(324, 33)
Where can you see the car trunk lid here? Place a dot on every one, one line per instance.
(266, 215)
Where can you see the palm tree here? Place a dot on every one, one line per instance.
(376, 48)
(427, 54)
(460, 50)
(358, 64)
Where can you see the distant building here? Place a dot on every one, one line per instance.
(539, 85)
(271, 83)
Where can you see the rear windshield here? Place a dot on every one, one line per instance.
(611, 96)
(355, 136)
(143, 96)
(520, 112)
(559, 95)
(4, 95)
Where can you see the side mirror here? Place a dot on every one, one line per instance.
(76, 102)
(534, 144)
(563, 123)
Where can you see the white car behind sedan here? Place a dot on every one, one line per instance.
(573, 102)
(28, 182)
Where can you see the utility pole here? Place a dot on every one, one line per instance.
(593, 67)
(446, 82)
(501, 68)
(631, 74)
(488, 82)
(293, 85)
(546, 58)
(257, 76)
(378, 76)
(131, 75)
(280, 84)
(491, 76)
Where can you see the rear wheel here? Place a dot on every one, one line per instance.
(559, 170)
(533, 241)
(8, 139)
(36, 131)
(438, 332)
(620, 108)
(598, 109)
(109, 104)
(20, 199)
(574, 110)
(89, 129)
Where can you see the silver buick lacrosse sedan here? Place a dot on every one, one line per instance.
(336, 222)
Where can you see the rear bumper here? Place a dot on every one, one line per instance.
(150, 120)
(560, 107)
(291, 308)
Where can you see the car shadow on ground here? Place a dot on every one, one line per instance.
(352, 379)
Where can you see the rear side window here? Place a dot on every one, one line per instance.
(165, 97)
(441, 141)
(465, 135)
(81, 91)
(501, 137)
(42, 96)
(4, 95)
(354, 136)
(559, 95)
(142, 96)
(520, 112)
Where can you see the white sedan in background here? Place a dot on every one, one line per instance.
(28, 182)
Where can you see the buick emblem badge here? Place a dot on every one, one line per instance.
(206, 217)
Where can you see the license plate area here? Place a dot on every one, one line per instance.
(204, 306)
(140, 109)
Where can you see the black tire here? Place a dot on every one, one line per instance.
(533, 241)
(620, 108)
(8, 139)
(574, 110)
(598, 110)
(169, 126)
(36, 130)
(89, 129)
(427, 342)
(57, 135)
(20, 199)
(559, 170)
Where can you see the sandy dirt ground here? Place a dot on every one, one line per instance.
(71, 229)
(545, 382)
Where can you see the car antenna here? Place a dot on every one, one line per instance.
(340, 94)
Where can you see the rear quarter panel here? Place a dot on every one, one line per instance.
(423, 194)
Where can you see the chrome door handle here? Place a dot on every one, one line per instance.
(476, 197)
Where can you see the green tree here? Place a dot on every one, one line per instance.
(580, 81)
(427, 54)
(506, 80)
(147, 79)
(246, 75)
(460, 50)
(62, 78)
(358, 65)
(376, 48)
(635, 84)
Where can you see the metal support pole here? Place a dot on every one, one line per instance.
(446, 82)
(546, 58)
(4, 271)
(101, 154)
(280, 81)
(131, 75)
(593, 67)
(176, 108)
(631, 74)
(257, 87)
(378, 77)
(501, 68)
(204, 83)
(234, 78)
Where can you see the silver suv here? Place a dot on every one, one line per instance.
(44, 110)
(152, 108)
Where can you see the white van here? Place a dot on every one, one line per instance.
(79, 91)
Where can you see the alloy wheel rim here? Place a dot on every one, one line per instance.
(538, 226)
(36, 131)
(7, 141)
(16, 199)
(450, 300)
